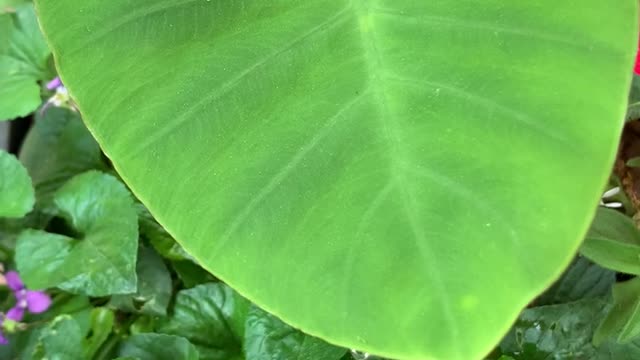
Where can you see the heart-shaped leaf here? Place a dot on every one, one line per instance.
(101, 259)
(400, 177)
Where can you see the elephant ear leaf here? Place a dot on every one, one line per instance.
(400, 177)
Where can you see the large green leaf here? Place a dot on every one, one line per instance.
(365, 170)
(101, 259)
(16, 191)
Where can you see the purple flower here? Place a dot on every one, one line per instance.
(53, 84)
(33, 301)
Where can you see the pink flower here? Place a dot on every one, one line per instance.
(33, 301)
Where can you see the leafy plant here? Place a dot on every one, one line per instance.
(330, 179)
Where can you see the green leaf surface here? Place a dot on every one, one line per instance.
(313, 154)
(633, 109)
(623, 320)
(154, 286)
(101, 259)
(159, 238)
(564, 332)
(62, 339)
(158, 347)
(102, 320)
(268, 338)
(58, 147)
(23, 62)
(212, 317)
(583, 279)
(613, 242)
(16, 190)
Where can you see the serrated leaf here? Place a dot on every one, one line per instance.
(212, 317)
(158, 347)
(154, 286)
(101, 259)
(313, 153)
(268, 338)
(613, 242)
(16, 190)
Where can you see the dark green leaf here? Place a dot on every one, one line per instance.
(633, 108)
(159, 238)
(211, 317)
(58, 147)
(583, 279)
(101, 325)
(16, 191)
(613, 242)
(191, 274)
(564, 332)
(158, 347)
(62, 340)
(623, 320)
(101, 260)
(23, 62)
(268, 338)
(154, 286)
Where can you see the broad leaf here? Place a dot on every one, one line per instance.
(16, 191)
(633, 109)
(583, 279)
(268, 338)
(23, 61)
(159, 238)
(154, 286)
(613, 242)
(62, 339)
(101, 259)
(58, 147)
(212, 317)
(623, 320)
(158, 347)
(314, 154)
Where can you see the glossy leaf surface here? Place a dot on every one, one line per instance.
(158, 347)
(314, 154)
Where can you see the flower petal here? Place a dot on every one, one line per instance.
(16, 313)
(3, 339)
(13, 281)
(54, 83)
(37, 301)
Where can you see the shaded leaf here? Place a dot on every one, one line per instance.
(583, 279)
(58, 147)
(154, 286)
(158, 347)
(211, 316)
(62, 340)
(623, 320)
(101, 259)
(16, 191)
(159, 238)
(268, 338)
